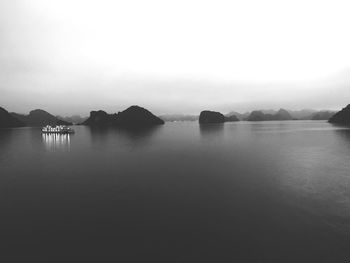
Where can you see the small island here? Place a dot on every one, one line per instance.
(215, 117)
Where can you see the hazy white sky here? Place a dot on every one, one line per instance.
(70, 56)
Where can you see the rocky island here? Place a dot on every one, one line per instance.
(8, 121)
(211, 117)
(215, 117)
(133, 116)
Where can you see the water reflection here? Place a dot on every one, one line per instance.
(135, 136)
(147, 193)
(5, 136)
(343, 136)
(5, 141)
(56, 141)
(211, 131)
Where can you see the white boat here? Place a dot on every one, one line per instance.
(57, 129)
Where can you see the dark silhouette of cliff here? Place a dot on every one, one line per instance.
(137, 116)
(100, 118)
(38, 118)
(341, 117)
(133, 116)
(211, 117)
(9, 121)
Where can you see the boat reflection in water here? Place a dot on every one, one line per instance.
(56, 141)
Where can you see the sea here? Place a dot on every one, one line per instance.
(276, 191)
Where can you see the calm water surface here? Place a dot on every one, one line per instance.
(238, 192)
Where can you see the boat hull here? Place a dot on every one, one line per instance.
(58, 132)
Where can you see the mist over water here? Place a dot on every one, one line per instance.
(181, 192)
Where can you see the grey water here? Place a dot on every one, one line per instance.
(181, 192)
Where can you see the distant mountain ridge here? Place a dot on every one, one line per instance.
(323, 115)
(306, 114)
(240, 116)
(178, 117)
(75, 119)
(133, 116)
(280, 115)
(136, 115)
(39, 118)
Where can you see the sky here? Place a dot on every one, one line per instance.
(70, 57)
